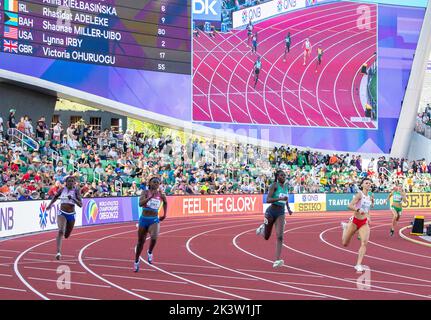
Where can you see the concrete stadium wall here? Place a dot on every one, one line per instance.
(21, 217)
(420, 147)
(26, 102)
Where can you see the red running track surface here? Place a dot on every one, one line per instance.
(219, 258)
(287, 93)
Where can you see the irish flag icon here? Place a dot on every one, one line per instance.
(11, 5)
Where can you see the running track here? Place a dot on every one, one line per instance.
(218, 258)
(287, 93)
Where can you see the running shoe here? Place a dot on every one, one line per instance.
(259, 231)
(58, 256)
(343, 225)
(392, 232)
(136, 266)
(359, 268)
(278, 263)
(150, 257)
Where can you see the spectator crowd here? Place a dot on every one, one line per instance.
(121, 164)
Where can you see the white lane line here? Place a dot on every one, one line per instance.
(6, 275)
(282, 273)
(13, 289)
(108, 259)
(117, 267)
(7, 250)
(336, 287)
(50, 254)
(72, 283)
(16, 263)
(55, 261)
(368, 256)
(402, 283)
(140, 278)
(48, 269)
(81, 261)
(187, 265)
(213, 275)
(68, 296)
(179, 294)
(270, 291)
(4, 257)
(331, 261)
(80, 258)
(246, 274)
(162, 263)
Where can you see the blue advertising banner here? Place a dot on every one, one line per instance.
(340, 201)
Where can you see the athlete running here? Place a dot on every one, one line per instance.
(361, 204)
(257, 67)
(307, 49)
(288, 42)
(398, 197)
(275, 214)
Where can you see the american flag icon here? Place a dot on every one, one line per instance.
(10, 46)
(10, 32)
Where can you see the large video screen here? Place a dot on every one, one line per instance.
(292, 88)
(338, 85)
(128, 51)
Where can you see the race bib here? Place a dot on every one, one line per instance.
(154, 204)
(282, 195)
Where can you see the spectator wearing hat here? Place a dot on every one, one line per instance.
(41, 129)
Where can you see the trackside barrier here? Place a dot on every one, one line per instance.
(264, 11)
(20, 217)
(339, 202)
(418, 201)
(183, 206)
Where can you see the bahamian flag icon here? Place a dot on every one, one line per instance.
(11, 5)
(11, 19)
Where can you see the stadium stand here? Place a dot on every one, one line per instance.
(121, 164)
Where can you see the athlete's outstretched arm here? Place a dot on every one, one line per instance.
(78, 200)
(390, 195)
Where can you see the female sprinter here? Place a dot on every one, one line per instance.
(398, 197)
(151, 202)
(69, 197)
(307, 49)
(361, 204)
(275, 214)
